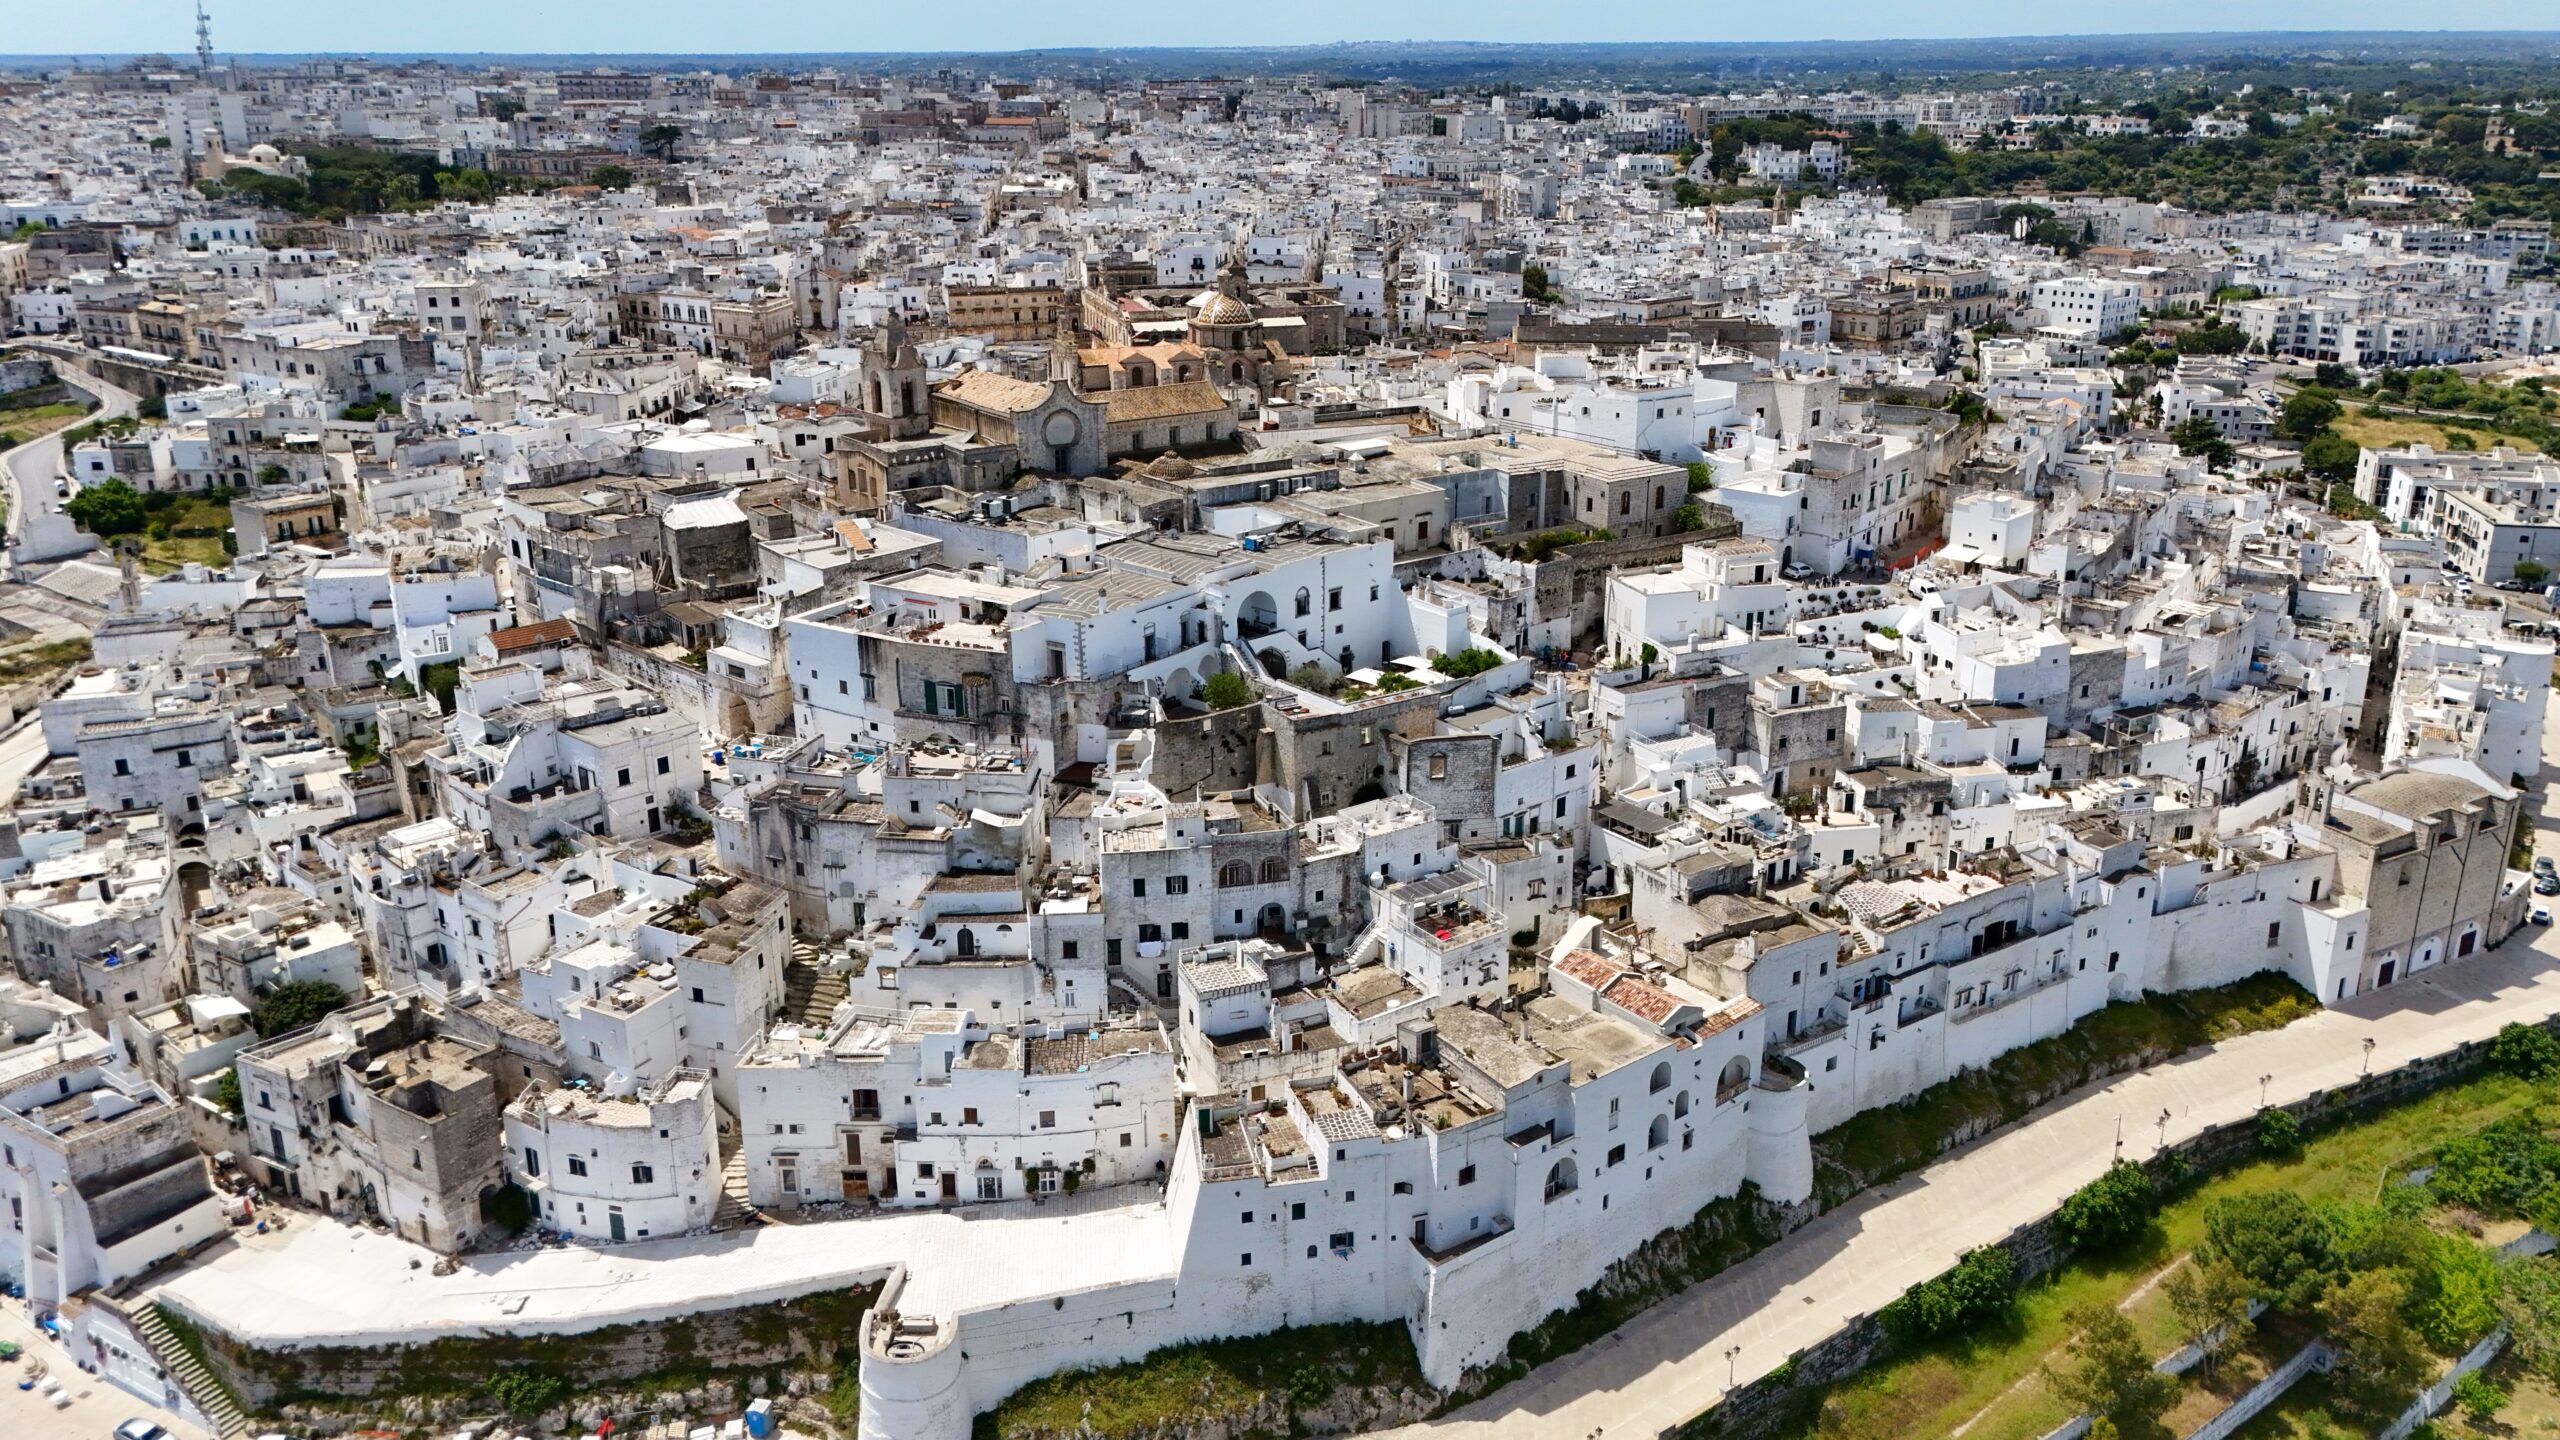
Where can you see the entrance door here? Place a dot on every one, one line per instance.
(950, 1185)
(2384, 978)
(857, 1185)
(615, 1220)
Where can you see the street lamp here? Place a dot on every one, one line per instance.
(2164, 1130)
(2368, 1056)
(2262, 1090)
(1729, 1354)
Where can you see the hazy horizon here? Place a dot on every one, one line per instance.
(661, 27)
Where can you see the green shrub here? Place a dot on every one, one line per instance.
(526, 1392)
(1982, 1286)
(2527, 1052)
(2279, 1133)
(1225, 691)
(2108, 1211)
(2479, 1397)
(1464, 663)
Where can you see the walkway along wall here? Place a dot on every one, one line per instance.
(1779, 1402)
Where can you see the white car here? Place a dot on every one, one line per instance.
(139, 1429)
(2541, 914)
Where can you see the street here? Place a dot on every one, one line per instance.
(1670, 1363)
(96, 1408)
(37, 528)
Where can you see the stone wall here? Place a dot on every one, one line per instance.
(1213, 752)
(779, 1339)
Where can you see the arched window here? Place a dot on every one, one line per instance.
(1274, 870)
(1306, 602)
(1658, 1134)
(1737, 1073)
(1661, 1078)
(1562, 1179)
(1680, 1105)
(1234, 873)
(968, 941)
(1626, 502)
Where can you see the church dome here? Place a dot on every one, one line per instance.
(1216, 307)
(1169, 466)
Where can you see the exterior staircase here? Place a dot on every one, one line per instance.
(811, 988)
(203, 1391)
(731, 1211)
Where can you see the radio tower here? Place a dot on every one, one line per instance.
(204, 41)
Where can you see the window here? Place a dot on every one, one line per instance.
(662, 764)
(1339, 1242)
(577, 1166)
(622, 776)
(1138, 887)
(2275, 931)
(1467, 1175)
(1177, 884)
(642, 1174)
(532, 1161)
(1048, 1119)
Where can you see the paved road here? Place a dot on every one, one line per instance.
(30, 473)
(96, 1408)
(1669, 1363)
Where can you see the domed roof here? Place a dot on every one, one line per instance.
(1169, 466)
(265, 153)
(1216, 307)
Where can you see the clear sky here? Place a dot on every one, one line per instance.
(60, 27)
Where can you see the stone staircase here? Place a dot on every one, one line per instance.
(207, 1394)
(811, 988)
(731, 1211)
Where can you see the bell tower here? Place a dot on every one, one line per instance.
(893, 384)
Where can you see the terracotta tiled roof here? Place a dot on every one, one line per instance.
(530, 637)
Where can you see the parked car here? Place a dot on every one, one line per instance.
(2546, 884)
(2541, 914)
(2543, 865)
(139, 1429)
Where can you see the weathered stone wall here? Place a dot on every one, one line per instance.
(1213, 752)
(779, 1339)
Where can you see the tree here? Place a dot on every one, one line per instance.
(2305, 413)
(1312, 676)
(2527, 1052)
(2211, 1301)
(2108, 1374)
(505, 108)
(2109, 1210)
(2331, 456)
(611, 177)
(2380, 1363)
(2455, 1294)
(1702, 477)
(226, 1092)
(2529, 1301)
(660, 140)
(273, 474)
(295, 1004)
(1225, 691)
(1533, 283)
(2330, 375)
(110, 507)
(2277, 1243)
(1693, 516)
(2198, 436)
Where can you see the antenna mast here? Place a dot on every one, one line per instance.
(204, 41)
